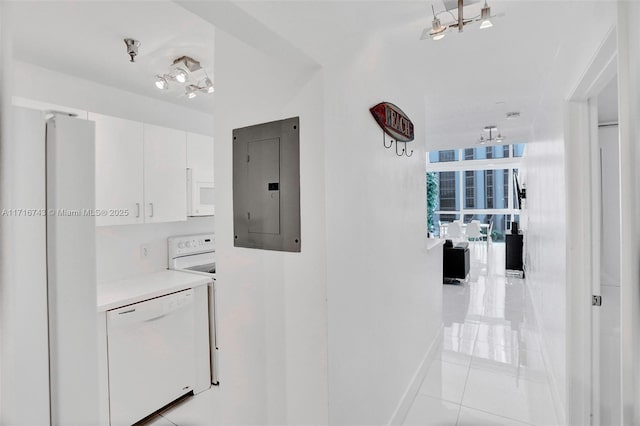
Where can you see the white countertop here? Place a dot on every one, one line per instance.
(116, 294)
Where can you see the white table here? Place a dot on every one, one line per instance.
(445, 225)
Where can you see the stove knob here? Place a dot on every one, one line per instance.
(180, 245)
(188, 244)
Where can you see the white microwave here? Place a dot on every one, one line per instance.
(200, 195)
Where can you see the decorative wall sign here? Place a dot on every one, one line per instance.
(395, 123)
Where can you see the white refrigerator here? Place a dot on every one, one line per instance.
(50, 244)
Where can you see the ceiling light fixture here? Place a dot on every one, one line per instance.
(161, 82)
(186, 70)
(485, 17)
(132, 48)
(491, 129)
(437, 30)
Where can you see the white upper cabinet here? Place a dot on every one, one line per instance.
(165, 179)
(119, 175)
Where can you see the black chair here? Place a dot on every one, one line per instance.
(456, 262)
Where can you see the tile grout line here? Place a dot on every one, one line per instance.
(466, 381)
(167, 419)
(497, 415)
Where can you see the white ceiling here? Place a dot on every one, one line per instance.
(529, 59)
(85, 39)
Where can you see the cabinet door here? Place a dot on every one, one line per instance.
(118, 169)
(165, 174)
(200, 156)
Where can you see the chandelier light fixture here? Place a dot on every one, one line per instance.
(437, 31)
(186, 72)
(492, 137)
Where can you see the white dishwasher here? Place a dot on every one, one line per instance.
(151, 348)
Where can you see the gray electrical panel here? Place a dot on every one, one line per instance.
(266, 186)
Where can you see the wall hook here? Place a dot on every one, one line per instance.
(384, 141)
(403, 150)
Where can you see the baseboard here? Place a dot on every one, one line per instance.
(560, 409)
(401, 411)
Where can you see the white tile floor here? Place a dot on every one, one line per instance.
(489, 369)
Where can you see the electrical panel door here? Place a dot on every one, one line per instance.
(266, 186)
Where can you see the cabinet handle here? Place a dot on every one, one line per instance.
(137, 209)
(150, 209)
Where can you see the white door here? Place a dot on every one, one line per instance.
(165, 180)
(118, 170)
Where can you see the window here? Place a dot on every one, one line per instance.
(489, 188)
(505, 188)
(470, 189)
(469, 154)
(518, 150)
(447, 191)
(443, 156)
(469, 192)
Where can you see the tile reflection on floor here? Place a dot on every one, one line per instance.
(489, 369)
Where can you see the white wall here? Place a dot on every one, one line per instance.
(118, 247)
(384, 302)
(546, 245)
(37, 83)
(629, 92)
(550, 196)
(608, 138)
(272, 305)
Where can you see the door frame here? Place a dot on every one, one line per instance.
(582, 168)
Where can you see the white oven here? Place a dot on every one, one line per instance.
(196, 254)
(200, 194)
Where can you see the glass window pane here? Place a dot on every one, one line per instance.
(518, 150)
(448, 191)
(443, 156)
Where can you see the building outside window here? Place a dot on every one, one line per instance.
(473, 189)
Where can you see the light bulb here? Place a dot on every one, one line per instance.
(439, 36)
(486, 24)
(161, 82)
(191, 92)
(181, 75)
(485, 15)
(208, 85)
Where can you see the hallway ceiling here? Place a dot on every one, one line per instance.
(527, 62)
(85, 39)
